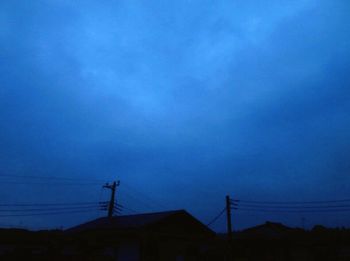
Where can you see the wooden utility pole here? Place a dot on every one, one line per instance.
(229, 228)
(113, 188)
(228, 215)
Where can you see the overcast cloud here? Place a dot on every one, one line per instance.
(185, 101)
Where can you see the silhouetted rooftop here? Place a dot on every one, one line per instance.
(138, 221)
(269, 230)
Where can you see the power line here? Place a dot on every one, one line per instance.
(49, 177)
(50, 182)
(49, 209)
(292, 207)
(40, 180)
(50, 204)
(132, 210)
(216, 217)
(290, 202)
(46, 213)
(144, 196)
(292, 211)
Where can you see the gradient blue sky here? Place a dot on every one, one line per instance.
(183, 101)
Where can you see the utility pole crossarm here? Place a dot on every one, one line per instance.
(113, 188)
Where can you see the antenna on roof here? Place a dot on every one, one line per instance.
(113, 188)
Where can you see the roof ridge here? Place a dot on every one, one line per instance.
(129, 218)
(153, 213)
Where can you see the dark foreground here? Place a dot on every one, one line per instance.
(278, 243)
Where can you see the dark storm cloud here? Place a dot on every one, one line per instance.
(242, 97)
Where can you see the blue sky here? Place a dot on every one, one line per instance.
(183, 101)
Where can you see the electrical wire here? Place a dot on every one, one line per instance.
(292, 211)
(48, 209)
(50, 183)
(132, 210)
(216, 217)
(50, 177)
(293, 207)
(290, 202)
(325, 206)
(145, 197)
(46, 213)
(51, 204)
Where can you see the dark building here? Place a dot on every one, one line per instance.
(171, 235)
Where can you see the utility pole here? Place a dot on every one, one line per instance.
(228, 215)
(113, 188)
(229, 228)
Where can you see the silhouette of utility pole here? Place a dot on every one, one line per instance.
(113, 188)
(228, 214)
(303, 223)
(229, 227)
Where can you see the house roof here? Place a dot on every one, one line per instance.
(268, 230)
(141, 221)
